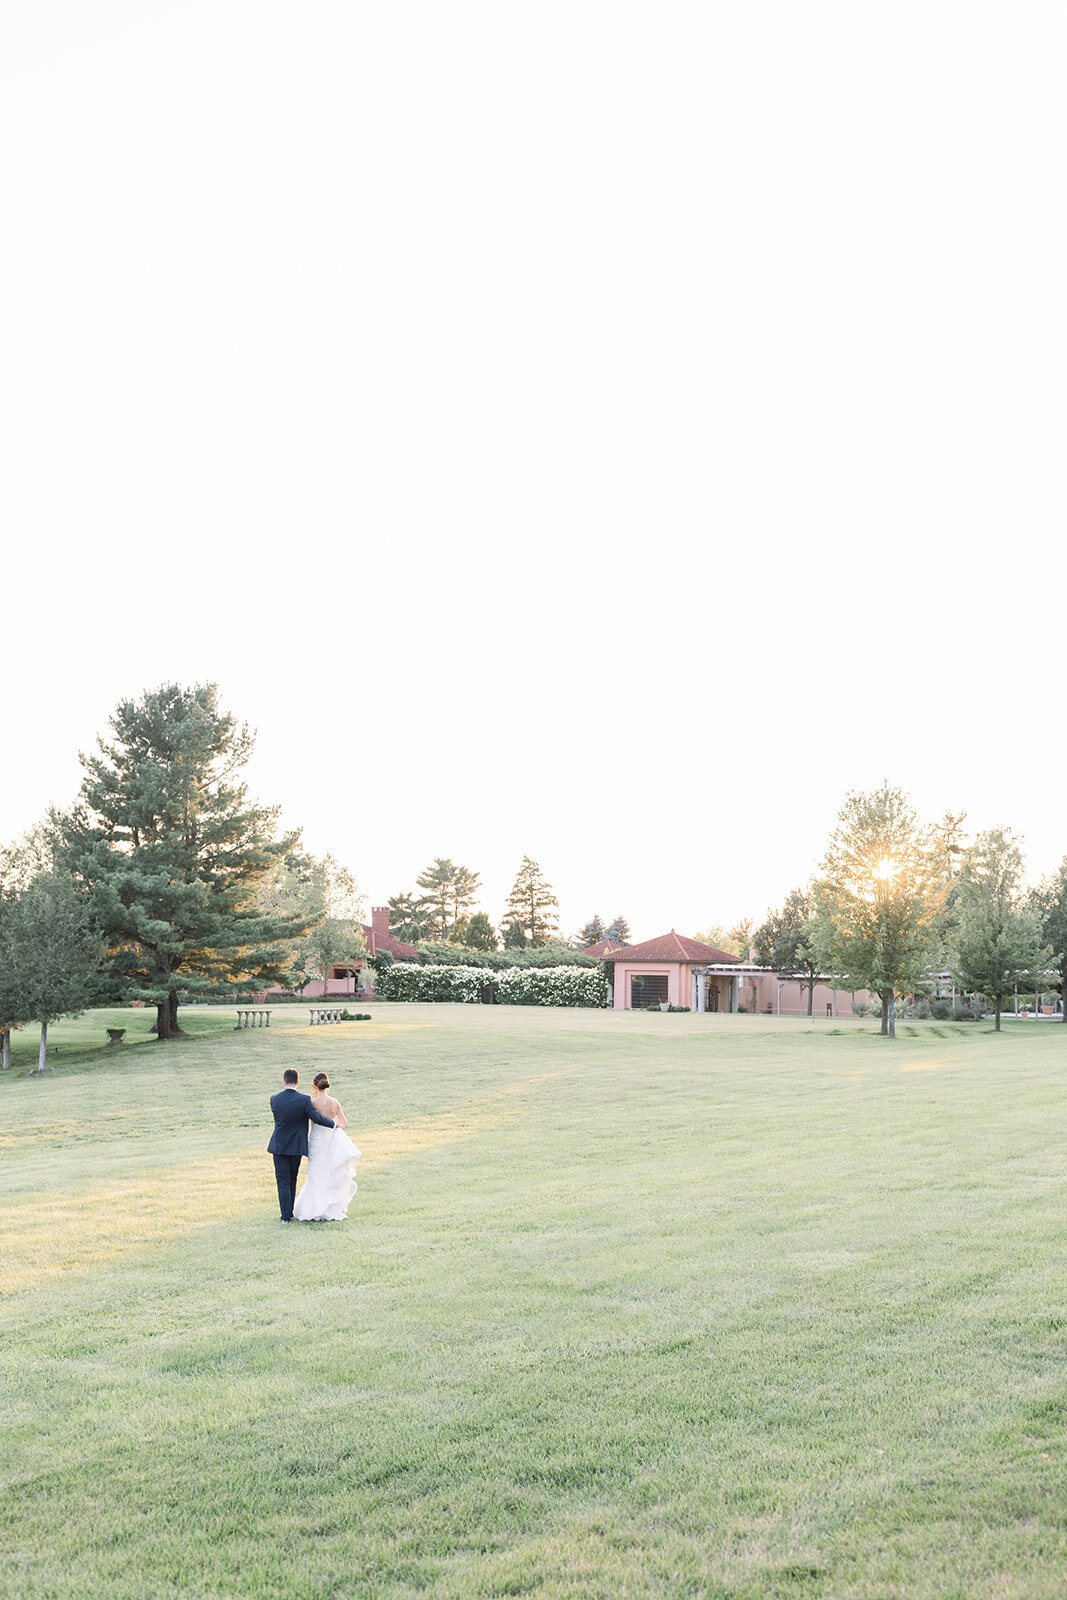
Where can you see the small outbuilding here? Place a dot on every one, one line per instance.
(674, 970)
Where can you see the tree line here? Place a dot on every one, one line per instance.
(898, 901)
(165, 881)
(443, 913)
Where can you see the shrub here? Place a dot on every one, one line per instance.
(552, 953)
(521, 986)
(406, 981)
(552, 986)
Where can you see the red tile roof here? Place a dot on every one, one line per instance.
(379, 942)
(601, 948)
(671, 947)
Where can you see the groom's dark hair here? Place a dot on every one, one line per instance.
(290, 1075)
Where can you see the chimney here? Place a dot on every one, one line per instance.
(379, 925)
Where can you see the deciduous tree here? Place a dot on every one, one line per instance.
(1049, 900)
(334, 905)
(784, 941)
(877, 901)
(735, 942)
(997, 941)
(50, 947)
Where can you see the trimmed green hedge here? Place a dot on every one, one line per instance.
(552, 953)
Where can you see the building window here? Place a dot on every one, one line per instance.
(648, 989)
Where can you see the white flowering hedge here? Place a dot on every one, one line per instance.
(552, 986)
(406, 980)
(516, 986)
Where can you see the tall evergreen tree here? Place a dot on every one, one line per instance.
(481, 935)
(783, 941)
(530, 903)
(618, 931)
(997, 940)
(879, 897)
(173, 853)
(407, 918)
(449, 891)
(593, 932)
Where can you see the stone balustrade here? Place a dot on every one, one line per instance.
(252, 1017)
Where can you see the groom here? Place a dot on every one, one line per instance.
(289, 1141)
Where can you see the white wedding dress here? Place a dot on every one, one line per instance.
(331, 1180)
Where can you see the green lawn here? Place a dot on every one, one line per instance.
(626, 1306)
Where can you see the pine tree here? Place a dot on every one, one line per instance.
(530, 903)
(618, 931)
(407, 919)
(173, 853)
(450, 891)
(593, 932)
(515, 936)
(481, 935)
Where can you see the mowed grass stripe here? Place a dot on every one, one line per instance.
(726, 1311)
(53, 1234)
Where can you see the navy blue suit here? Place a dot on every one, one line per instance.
(289, 1141)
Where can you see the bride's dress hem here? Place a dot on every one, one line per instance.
(331, 1181)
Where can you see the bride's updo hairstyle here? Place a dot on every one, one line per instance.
(321, 1081)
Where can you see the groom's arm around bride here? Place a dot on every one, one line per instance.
(289, 1141)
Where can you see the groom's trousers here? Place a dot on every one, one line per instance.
(285, 1170)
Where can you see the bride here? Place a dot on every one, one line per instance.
(332, 1157)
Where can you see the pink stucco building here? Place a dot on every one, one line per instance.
(674, 970)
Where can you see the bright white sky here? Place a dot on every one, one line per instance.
(603, 431)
